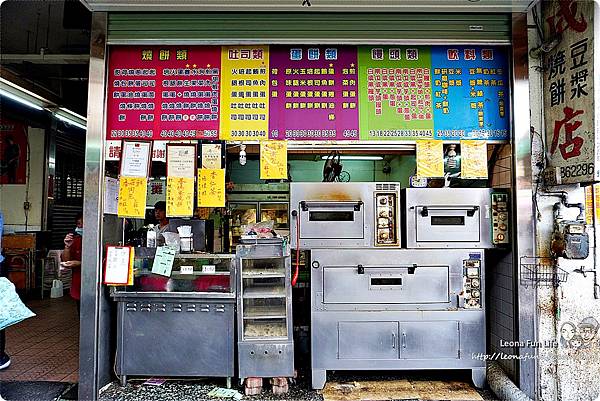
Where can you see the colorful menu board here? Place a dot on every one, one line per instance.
(314, 93)
(257, 92)
(163, 92)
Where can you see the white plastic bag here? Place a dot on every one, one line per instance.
(13, 310)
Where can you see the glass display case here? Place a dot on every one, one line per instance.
(195, 305)
(276, 211)
(265, 343)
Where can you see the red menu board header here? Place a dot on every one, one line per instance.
(163, 92)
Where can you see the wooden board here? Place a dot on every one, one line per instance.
(400, 390)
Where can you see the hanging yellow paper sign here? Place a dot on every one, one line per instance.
(430, 159)
(245, 106)
(132, 197)
(211, 187)
(180, 196)
(473, 158)
(273, 160)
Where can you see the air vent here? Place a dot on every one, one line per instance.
(386, 187)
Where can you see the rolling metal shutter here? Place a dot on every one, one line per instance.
(304, 27)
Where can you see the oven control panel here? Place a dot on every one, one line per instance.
(472, 283)
(386, 219)
(500, 220)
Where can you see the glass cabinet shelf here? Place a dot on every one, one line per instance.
(265, 312)
(263, 329)
(265, 291)
(264, 273)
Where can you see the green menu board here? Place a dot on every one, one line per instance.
(395, 92)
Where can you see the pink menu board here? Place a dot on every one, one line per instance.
(163, 92)
(313, 93)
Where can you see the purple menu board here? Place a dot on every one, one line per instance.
(313, 93)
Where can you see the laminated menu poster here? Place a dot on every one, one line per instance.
(211, 187)
(473, 163)
(273, 160)
(132, 197)
(430, 159)
(163, 260)
(395, 92)
(135, 160)
(180, 196)
(244, 92)
(211, 155)
(163, 92)
(314, 93)
(118, 265)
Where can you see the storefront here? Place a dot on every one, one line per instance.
(255, 94)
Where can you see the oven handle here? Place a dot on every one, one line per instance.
(411, 268)
(470, 209)
(305, 205)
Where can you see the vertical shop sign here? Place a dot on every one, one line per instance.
(470, 92)
(395, 92)
(273, 160)
(474, 159)
(163, 92)
(245, 92)
(211, 187)
(313, 93)
(430, 159)
(569, 80)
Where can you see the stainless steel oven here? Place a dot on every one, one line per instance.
(447, 217)
(345, 214)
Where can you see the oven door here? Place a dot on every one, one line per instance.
(332, 220)
(386, 284)
(448, 223)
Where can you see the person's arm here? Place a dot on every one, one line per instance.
(66, 255)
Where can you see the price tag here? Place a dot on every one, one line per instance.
(208, 269)
(186, 270)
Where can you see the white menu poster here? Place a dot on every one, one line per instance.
(181, 161)
(135, 158)
(118, 264)
(211, 156)
(163, 261)
(111, 195)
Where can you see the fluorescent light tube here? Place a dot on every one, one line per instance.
(70, 121)
(19, 99)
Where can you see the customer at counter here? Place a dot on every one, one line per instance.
(71, 258)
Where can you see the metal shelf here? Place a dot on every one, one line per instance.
(263, 273)
(178, 274)
(265, 330)
(265, 312)
(264, 291)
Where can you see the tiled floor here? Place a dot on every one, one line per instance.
(45, 347)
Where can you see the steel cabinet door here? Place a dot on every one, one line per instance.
(429, 340)
(368, 340)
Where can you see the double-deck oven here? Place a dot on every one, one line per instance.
(397, 277)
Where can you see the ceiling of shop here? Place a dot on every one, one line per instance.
(45, 49)
(492, 6)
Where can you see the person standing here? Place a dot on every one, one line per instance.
(162, 225)
(71, 257)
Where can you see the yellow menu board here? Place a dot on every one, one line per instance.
(132, 197)
(244, 92)
(180, 196)
(473, 158)
(211, 187)
(430, 159)
(273, 160)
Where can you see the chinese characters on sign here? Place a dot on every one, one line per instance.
(273, 160)
(314, 93)
(568, 91)
(395, 92)
(163, 92)
(245, 92)
(132, 197)
(211, 187)
(474, 159)
(470, 92)
(255, 92)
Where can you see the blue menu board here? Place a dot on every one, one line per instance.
(470, 92)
